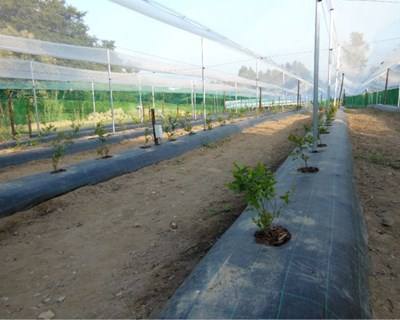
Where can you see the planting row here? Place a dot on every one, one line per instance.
(298, 250)
(67, 142)
(30, 190)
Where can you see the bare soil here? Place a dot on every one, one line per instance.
(121, 248)
(376, 149)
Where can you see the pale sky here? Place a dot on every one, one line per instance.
(276, 28)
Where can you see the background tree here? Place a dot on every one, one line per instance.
(275, 77)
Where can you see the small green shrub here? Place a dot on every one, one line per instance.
(170, 125)
(209, 124)
(258, 186)
(48, 129)
(221, 121)
(76, 127)
(321, 130)
(103, 150)
(188, 127)
(147, 136)
(302, 143)
(59, 147)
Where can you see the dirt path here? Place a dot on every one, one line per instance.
(376, 150)
(45, 165)
(121, 248)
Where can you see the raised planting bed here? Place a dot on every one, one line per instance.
(322, 272)
(28, 191)
(84, 132)
(78, 146)
(84, 143)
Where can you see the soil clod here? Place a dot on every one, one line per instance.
(275, 236)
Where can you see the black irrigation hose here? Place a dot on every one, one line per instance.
(322, 272)
(26, 192)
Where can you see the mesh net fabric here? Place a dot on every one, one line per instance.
(135, 61)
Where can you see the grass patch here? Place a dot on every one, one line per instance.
(380, 159)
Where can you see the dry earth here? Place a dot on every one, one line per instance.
(121, 248)
(376, 149)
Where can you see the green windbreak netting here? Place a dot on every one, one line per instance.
(391, 98)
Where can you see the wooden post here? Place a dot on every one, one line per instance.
(153, 123)
(10, 106)
(386, 86)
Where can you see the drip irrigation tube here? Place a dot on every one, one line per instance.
(322, 272)
(28, 191)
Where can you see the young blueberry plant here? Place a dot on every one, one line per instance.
(209, 123)
(258, 185)
(48, 129)
(75, 126)
(321, 130)
(302, 144)
(169, 126)
(59, 147)
(147, 138)
(221, 121)
(188, 127)
(103, 150)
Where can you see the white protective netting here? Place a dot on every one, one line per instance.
(28, 70)
(135, 61)
(161, 13)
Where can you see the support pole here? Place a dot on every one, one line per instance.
(192, 101)
(316, 75)
(35, 99)
(398, 97)
(93, 98)
(283, 88)
(111, 91)
(215, 102)
(195, 105)
(298, 93)
(260, 99)
(330, 56)
(341, 90)
(153, 123)
(256, 79)
(386, 86)
(141, 101)
(236, 93)
(337, 75)
(153, 97)
(204, 86)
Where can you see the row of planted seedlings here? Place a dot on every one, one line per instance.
(258, 184)
(49, 129)
(170, 125)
